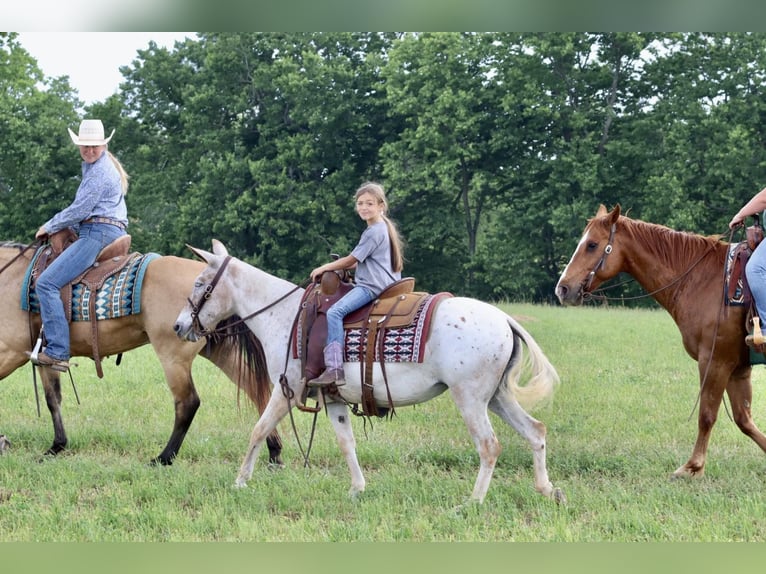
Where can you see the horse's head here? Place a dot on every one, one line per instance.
(210, 301)
(594, 260)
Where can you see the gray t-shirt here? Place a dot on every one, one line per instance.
(373, 252)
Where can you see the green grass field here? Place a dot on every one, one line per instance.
(622, 420)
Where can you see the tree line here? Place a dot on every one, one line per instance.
(494, 148)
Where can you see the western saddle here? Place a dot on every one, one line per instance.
(395, 307)
(110, 260)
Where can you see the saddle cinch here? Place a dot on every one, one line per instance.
(395, 307)
(110, 260)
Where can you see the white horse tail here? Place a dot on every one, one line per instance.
(541, 375)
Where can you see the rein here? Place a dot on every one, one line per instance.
(196, 308)
(22, 250)
(283, 382)
(590, 295)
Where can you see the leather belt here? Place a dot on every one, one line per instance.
(108, 220)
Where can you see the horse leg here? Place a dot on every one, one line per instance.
(225, 360)
(710, 398)
(52, 390)
(276, 409)
(740, 393)
(339, 416)
(534, 432)
(186, 402)
(476, 418)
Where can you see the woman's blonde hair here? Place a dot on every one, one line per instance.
(121, 170)
(397, 244)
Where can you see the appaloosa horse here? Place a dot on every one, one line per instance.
(474, 351)
(684, 273)
(165, 284)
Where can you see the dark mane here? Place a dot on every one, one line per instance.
(231, 335)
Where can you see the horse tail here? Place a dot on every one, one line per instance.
(541, 375)
(235, 349)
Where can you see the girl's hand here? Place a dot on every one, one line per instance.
(317, 273)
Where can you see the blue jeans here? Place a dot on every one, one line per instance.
(75, 259)
(358, 297)
(756, 280)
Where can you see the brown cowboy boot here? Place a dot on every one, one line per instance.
(333, 373)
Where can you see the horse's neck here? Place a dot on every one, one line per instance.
(671, 265)
(272, 302)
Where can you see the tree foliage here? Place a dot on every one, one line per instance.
(494, 148)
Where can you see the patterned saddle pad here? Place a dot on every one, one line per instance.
(119, 296)
(400, 344)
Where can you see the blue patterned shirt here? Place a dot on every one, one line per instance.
(99, 195)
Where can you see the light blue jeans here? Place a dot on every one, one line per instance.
(358, 297)
(75, 259)
(756, 280)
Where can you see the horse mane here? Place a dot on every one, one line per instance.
(232, 336)
(676, 249)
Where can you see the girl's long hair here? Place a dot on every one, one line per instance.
(121, 170)
(397, 243)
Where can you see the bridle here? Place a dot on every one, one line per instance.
(600, 264)
(586, 294)
(199, 330)
(197, 307)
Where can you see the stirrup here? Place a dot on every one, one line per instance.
(301, 402)
(756, 339)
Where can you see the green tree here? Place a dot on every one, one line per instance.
(38, 164)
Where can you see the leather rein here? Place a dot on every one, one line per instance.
(601, 263)
(197, 307)
(283, 382)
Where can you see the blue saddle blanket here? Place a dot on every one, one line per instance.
(119, 296)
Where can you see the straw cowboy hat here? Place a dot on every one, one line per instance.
(91, 133)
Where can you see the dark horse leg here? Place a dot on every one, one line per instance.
(52, 389)
(185, 409)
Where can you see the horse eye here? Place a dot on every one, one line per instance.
(591, 246)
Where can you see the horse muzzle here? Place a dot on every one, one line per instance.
(569, 297)
(186, 331)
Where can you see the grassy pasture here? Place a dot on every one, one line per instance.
(622, 420)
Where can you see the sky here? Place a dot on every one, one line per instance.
(92, 60)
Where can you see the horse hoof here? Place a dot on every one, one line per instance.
(355, 494)
(558, 496)
(5, 444)
(240, 483)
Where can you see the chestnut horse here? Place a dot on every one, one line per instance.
(165, 284)
(684, 273)
(474, 350)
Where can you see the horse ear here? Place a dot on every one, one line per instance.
(615, 213)
(601, 210)
(200, 253)
(219, 248)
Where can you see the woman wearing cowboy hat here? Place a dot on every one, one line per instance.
(99, 215)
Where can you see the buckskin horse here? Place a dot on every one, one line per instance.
(684, 273)
(474, 351)
(166, 281)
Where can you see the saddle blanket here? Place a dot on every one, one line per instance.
(401, 344)
(737, 297)
(120, 295)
